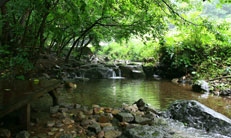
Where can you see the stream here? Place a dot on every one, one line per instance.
(159, 94)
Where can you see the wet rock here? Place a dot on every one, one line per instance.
(199, 116)
(99, 72)
(23, 134)
(130, 108)
(132, 71)
(85, 123)
(50, 123)
(51, 133)
(68, 121)
(108, 128)
(141, 104)
(110, 116)
(115, 111)
(59, 124)
(5, 133)
(112, 134)
(151, 109)
(104, 119)
(94, 127)
(226, 92)
(142, 120)
(63, 110)
(201, 86)
(175, 80)
(54, 109)
(66, 136)
(125, 117)
(101, 134)
(105, 124)
(80, 116)
(146, 132)
(157, 77)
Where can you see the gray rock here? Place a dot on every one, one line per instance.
(54, 109)
(63, 109)
(142, 120)
(125, 117)
(98, 72)
(85, 123)
(199, 116)
(94, 127)
(141, 104)
(112, 134)
(201, 86)
(146, 132)
(107, 128)
(59, 124)
(66, 136)
(23, 134)
(5, 133)
(226, 92)
(50, 123)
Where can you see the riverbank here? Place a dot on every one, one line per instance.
(127, 121)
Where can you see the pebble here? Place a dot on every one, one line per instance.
(50, 123)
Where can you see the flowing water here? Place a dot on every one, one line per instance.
(159, 94)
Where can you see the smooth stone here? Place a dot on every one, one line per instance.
(105, 124)
(101, 134)
(108, 128)
(94, 127)
(142, 120)
(50, 123)
(85, 123)
(112, 134)
(125, 117)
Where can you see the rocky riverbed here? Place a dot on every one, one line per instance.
(128, 121)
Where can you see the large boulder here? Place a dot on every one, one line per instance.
(197, 115)
(132, 71)
(98, 72)
(201, 86)
(147, 132)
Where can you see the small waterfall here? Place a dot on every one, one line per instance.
(119, 72)
(114, 76)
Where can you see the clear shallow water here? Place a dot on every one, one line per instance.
(159, 94)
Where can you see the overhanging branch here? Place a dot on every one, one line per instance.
(176, 13)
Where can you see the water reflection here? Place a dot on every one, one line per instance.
(159, 94)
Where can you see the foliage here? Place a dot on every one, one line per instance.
(31, 28)
(134, 50)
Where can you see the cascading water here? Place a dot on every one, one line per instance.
(114, 76)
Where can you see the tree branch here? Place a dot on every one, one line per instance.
(176, 13)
